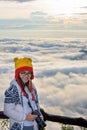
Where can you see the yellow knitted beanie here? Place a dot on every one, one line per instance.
(23, 64)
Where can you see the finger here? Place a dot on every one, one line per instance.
(34, 117)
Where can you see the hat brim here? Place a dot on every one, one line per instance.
(17, 71)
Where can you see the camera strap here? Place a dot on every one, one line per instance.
(36, 100)
(29, 102)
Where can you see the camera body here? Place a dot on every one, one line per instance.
(39, 120)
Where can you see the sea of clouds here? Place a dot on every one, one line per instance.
(60, 69)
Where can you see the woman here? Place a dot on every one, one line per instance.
(21, 97)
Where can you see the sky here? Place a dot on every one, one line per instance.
(45, 15)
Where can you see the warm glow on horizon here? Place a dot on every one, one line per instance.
(44, 15)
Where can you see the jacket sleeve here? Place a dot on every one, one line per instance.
(12, 106)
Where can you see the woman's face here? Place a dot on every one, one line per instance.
(25, 76)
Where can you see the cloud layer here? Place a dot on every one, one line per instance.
(60, 68)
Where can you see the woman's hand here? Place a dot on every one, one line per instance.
(31, 117)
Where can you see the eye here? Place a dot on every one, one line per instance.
(23, 73)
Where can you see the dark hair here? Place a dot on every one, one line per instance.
(22, 85)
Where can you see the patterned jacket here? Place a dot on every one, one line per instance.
(13, 106)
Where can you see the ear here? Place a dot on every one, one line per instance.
(28, 59)
(15, 59)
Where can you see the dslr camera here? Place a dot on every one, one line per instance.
(39, 120)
